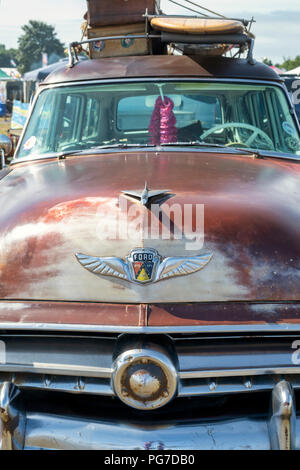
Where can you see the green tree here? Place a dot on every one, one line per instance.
(38, 38)
(290, 64)
(6, 55)
(267, 62)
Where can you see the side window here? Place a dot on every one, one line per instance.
(69, 124)
(262, 113)
(91, 119)
(286, 134)
(72, 108)
(40, 127)
(254, 110)
(243, 110)
(43, 122)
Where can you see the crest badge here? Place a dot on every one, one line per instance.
(144, 265)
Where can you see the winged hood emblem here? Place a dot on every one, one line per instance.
(144, 265)
(147, 196)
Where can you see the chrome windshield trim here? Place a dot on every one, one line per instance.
(158, 79)
(190, 149)
(237, 328)
(187, 148)
(284, 156)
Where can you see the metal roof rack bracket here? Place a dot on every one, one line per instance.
(250, 57)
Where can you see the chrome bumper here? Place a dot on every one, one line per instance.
(53, 432)
(21, 429)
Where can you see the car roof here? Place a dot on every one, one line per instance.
(170, 66)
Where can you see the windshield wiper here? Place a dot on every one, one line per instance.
(209, 145)
(167, 144)
(121, 145)
(195, 143)
(61, 155)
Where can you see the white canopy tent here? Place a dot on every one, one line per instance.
(295, 71)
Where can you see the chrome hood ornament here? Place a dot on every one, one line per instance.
(144, 265)
(145, 196)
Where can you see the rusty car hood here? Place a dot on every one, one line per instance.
(51, 210)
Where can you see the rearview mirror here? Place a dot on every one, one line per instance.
(151, 99)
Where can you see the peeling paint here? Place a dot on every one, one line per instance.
(255, 250)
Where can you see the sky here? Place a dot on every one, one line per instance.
(277, 26)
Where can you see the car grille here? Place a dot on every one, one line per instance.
(212, 369)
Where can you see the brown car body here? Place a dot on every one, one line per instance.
(239, 314)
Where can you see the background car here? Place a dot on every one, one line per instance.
(292, 82)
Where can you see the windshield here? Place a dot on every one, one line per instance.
(83, 117)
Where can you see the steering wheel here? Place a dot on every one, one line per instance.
(233, 125)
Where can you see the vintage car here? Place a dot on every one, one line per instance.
(149, 259)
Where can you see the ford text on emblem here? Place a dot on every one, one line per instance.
(144, 265)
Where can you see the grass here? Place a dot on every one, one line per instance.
(4, 125)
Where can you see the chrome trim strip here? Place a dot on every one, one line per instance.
(59, 383)
(239, 372)
(238, 328)
(44, 86)
(52, 383)
(58, 369)
(227, 385)
(230, 385)
(186, 388)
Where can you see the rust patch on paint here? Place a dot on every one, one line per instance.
(223, 313)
